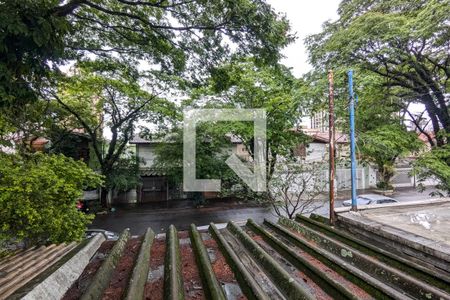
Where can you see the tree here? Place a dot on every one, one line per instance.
(117, 99)
(175, 36)
(435, 165)
(405, 43)
(383, 145)
(242, 84)
(212, 149)
(38, 195)
(296, 187)
(125, 174)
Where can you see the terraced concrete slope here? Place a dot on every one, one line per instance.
(22, 267)
(291, 259)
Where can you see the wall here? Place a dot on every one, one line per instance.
(146, 154)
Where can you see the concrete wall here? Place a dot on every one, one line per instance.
(146, 154)
(316, 152)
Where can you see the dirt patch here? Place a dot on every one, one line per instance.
(356, 290)
(154, 288)
(183, 234)
(317, 291)
(122, 272)
(191, 277)
(220, 267)
(81, 284)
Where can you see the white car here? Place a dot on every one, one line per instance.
(367, 199)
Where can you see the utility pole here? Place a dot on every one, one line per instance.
(352, 139)
(332, 170)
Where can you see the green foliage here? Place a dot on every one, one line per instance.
(38, 36)
(384, 144)
(212, 149)
(436, 165)
(110, 95)
(30, 37)
(38, 194)
(125, 174)
(403, 43)
(240, 84)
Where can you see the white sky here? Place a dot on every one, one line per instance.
(306, 17)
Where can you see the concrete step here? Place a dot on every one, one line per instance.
(380, 270)
(247, 270)
(319, 277)
(408, 264)
(301, 259)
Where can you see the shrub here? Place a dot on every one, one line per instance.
(435, 164)
(38, 194)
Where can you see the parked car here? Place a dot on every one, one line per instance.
(367, 199)
(87, 203)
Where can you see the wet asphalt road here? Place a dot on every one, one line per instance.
(138, 219)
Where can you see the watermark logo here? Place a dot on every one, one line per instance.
(256, 180)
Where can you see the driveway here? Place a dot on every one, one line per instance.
(138, 219)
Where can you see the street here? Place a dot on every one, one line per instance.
(138, 219)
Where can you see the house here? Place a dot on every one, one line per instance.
(155, 184)
(317, 148)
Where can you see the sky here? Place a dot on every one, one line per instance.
(306, 17)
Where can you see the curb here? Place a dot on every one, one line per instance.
(101, 279)
(140, 271)
(57, 284)
(213, 290)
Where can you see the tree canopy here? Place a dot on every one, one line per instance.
(174, 36)
(108, 96)
(240, 84)
(38, 195)
(383, 145)
(405, 43)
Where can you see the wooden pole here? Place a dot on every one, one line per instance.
(332, 170)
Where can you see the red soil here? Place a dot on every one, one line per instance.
(80, 285)
(121, 275)
(154, 289)
(191, 276)
(220, 267)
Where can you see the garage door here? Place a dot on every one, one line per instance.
(154, 189)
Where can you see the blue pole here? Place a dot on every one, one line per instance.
(352, 138)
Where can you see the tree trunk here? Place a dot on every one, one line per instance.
(386, 173)
(105, 197)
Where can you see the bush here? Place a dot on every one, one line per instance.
(435, 164)
(38, 194)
